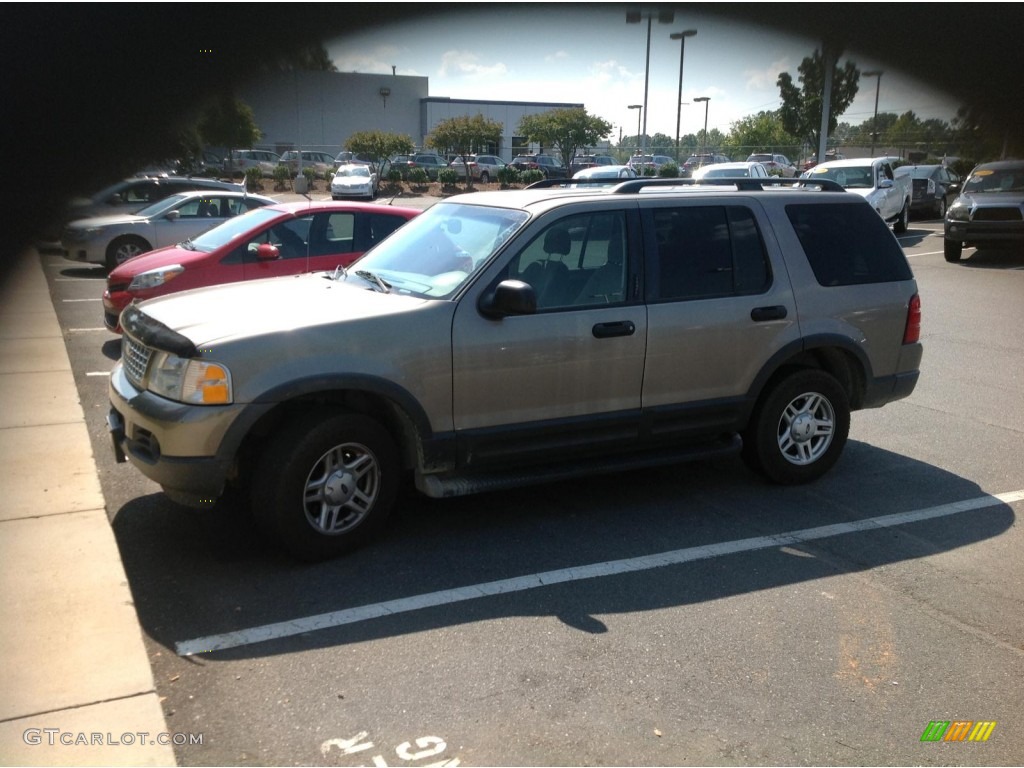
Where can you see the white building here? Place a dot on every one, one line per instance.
(320, 110)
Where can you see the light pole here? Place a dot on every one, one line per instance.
(681, 37)
(641, 108)
(704, 138)
(665, 16)
(874, 123)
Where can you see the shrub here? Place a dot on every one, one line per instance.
(668, 171)
(311, 176)
(253, 178)
(530, 176)
(281, 176)
(394, 176)
(648, 170)
(418, 176)
(448, 176)
(508, 176)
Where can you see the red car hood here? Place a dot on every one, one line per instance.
(161, 257)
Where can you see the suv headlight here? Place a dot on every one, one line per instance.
(155, 277)
(188, 380)
(958, 211)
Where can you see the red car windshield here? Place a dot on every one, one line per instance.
(232, 229)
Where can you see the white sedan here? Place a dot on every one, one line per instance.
(354, 180)
(731, 170)
(112, 240)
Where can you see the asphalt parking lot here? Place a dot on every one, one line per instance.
(689, 615)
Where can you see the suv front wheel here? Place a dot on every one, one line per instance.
(326, 484)
(799, 428)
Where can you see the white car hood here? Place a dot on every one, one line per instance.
(96, 222)
(273, 305)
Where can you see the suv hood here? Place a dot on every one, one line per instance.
(273, 305)
(992, 199)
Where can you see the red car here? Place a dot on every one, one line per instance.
(283, 239)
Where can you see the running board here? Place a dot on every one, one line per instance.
(447, 485)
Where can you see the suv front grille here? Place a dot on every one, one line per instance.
(997, 214)
(135, 358)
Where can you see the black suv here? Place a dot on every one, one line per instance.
(546, 164)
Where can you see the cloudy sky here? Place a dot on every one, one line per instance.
(586, 53)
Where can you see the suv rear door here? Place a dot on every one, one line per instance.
(720, 304)
(580, 355)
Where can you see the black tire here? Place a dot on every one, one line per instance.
(940, 208)
(903, 221)
(817, 406)
(952, 250)
(326, 484)
(123, 248)
(485, 177)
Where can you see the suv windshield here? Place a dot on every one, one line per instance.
(996, 180)
(436, 253)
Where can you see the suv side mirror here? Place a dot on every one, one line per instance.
(173, 215)
(510, 297)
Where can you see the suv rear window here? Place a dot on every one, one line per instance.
(848, 244)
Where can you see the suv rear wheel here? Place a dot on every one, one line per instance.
(799, 428)
(326, 484)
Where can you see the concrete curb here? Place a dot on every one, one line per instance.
(78, 687)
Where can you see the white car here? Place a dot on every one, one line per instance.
(609, 173)
(733, 170)
(354, 180)
(112, 240)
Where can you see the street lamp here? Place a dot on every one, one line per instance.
(665, 16)
(641, 108)
(704, 138)
(681, 37)
(874, 123)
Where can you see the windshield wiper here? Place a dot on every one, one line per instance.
(374, 280)
(339, 272)
(187, 245)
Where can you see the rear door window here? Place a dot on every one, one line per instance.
(707, 251)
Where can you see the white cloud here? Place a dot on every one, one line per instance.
(767, 78)
(466, 64)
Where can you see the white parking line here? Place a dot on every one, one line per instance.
(97, 373)
(73, 301)
(86, 330)
(611, 568)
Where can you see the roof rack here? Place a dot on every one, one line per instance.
(742, 183)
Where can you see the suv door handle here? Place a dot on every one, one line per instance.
(760, 314)
(607, 330)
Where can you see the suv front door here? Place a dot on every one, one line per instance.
(580, 355)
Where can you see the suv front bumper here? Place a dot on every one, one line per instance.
(173, 444)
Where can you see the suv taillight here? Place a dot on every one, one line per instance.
(912, 334)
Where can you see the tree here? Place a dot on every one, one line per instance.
(465, 135)
(762, 132)
(309, 58)
(229, 122)
(565, 129)
(801, 107)
(379, 145)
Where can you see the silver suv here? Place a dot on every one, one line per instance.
(508, 337)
